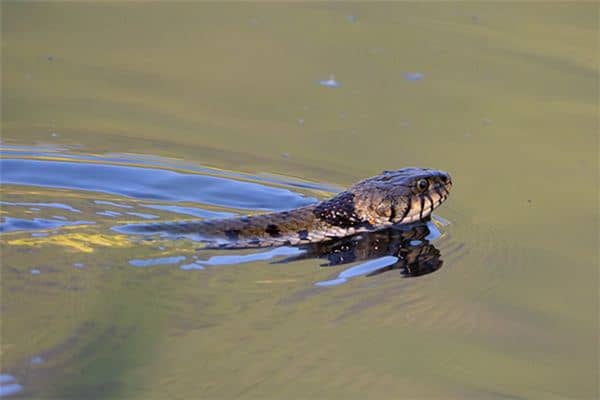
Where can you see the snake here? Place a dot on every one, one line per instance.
(394, 197)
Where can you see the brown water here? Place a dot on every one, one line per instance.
(504, 97)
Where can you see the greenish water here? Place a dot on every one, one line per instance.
(507, 102)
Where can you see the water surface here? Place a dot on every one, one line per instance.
(115, 113)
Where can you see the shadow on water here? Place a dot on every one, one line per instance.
(408, 251)
(136, 184)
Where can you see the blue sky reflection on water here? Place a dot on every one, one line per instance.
(10, 224)
(149, 184)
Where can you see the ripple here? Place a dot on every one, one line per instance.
(110, 203)
(10, 389)
(150, 184)
(195, 211)
(11, 224)
(143, 215)
(6, 378)
(108, 213)
(192, 266)
(247, 258)
(360, 270)
(149, 262)
(46, 205)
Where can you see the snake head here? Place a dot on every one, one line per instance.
(401, 196)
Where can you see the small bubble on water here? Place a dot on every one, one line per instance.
(79, 265)
(301, 121)
(331, 82)
(54, 134)
(37, 360)
(285, 155)
(413, 76)
(351, 18)
(35, 271)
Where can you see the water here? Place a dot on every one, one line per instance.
(140, 185)
(222, 114)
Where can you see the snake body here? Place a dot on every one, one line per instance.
(401, 196)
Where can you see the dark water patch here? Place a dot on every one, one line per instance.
(410, 247)
(11, 224)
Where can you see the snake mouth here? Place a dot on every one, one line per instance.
(422, 205)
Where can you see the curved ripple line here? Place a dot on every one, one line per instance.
(361, 269)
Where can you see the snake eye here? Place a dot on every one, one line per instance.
(422, 184)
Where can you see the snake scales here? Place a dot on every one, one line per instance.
(401, 196)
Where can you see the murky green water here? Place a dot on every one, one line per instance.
(504, 97)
